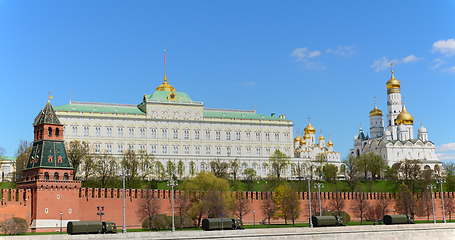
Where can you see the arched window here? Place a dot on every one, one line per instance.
(49, 131)
(57, 132)
(65, 176)
(56, 176)
(46, 176)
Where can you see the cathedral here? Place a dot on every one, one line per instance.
(396, 141)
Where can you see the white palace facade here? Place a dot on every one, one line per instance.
(396, 140)
(171, 126)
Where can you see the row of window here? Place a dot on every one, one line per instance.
(197, 134)
(185, 149)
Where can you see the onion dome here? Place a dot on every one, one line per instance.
(306, 136)
(422, 129)
(375, 112)
(321, 138)
(309, 129)
(297, 139)
(393, 85)
(165, 86)
(302, 142)
(404, 117)
(330, 143)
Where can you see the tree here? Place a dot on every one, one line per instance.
(449, 206)
(410, 171)
(145, 165)
(330, 172)
(170, 169)
(376, 165)
(268, 207)
(219, 168)
(88, 167)
(14, 226)
(449, 168)
(287, 203)
(130, 165)
(180, 169)
(208, 196)
(192, 168)
(149, 208)
(234, 167)
(360, 206)
(336, 204)
(241, 206)
(406, 202)
(351, 170)
(105, 168)
(278, 163)
(321, 159)
(76, 152)
(250, 176)
(22, 155)
(159, 170)
(425, 207)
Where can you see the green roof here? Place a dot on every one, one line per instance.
(7, 158)
(48, 154)
(239, 115)
(99, 108)
(165, 96)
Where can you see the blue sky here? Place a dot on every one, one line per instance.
(326, 60)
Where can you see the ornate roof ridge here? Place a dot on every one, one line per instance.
(230, 110)
(46, 116)
(102, 104)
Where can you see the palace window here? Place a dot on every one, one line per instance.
(74, 130)
(237, 136)
(258, 136)
(176, 149)
(142, 147)
(228, 151)
(142, 132)
(120, 131)
(109, 131)
(197, 149)
(248, 135)
(109, 148)
(164, 132)
(208, 150)
(267, 137)
(120, 148)
(248, 150)
(86, 131)
(207, 134)
(131, 147)
(228, 135)
(97, 148)
(268, 151)
(153, 148)
(218, 135)
(153, 133)
(196, 134)
(186, 134)
(277, 137)
(175, 133)
(97, 131)
(218, 150)
(164, 149)
(239, 151)
(131, 132)
(187, 149)
(258, 151)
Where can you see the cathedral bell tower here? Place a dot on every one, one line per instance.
(49, 174)
(394, 104)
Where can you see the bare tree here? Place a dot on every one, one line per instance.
(449, 206)
(268, 207)
(105, 168)
(378, 209)
(234, 167)
(425, 207)
(360, 206)
(336, 204)
(149, 208)
(22, 155)
(130, 165)
(406, 202)
(278, 163)
(88, 167)
(76, 152)
(241, 206)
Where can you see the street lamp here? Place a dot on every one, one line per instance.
(61, 221)
(100, 212)
(172, 183)
(442, 181)
(254, 218)
(124, 202)
(309, 203)
(430, 187)
(319, 185)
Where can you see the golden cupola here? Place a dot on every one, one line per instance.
(309, 129)
(375, 112)
(330, 143)
(165, 86)
(297, 139)
(306, 136)
(404, 117)
(302, 142)
(393, 85)
(321, 138)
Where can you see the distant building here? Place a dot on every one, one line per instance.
(7, 168)
(395, 141)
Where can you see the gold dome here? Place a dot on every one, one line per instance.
(306, 136)
(302, 142)
(165, 86)
(330, 143)
(393, 85)
(321, 138)
(375, 112)
(309, 129)
(404, 117)
(297, 139)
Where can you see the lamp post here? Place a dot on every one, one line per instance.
(254, 218)
(124, 202)
(172, 183)
(100, 212)
(319, 185)
(61, 221)
(441, 181)
(309, 203)
(430, 187)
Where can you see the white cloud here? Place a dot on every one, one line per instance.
(446, 152)
(341, 51)
(437, 63)
(385, 63)
(303, 54)
(445, 47)
(451, 69)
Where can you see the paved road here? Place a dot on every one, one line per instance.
(378, 232)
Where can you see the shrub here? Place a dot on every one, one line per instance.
(344, 215)
(162, 221)
(14, 226)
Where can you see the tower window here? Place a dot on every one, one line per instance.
(49, 131)
(65, 177)
(57, 132)
(46, 176)
(56, 176)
